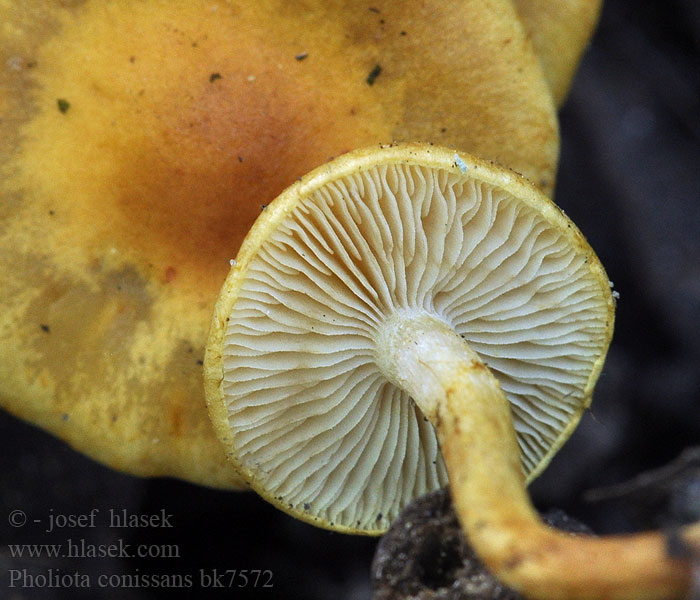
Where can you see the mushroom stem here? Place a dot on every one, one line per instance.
(424, 356)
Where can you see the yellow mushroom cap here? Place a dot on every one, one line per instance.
(560, 32)
(295, 368)
(140, 140)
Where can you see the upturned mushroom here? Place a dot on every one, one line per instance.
(407, 316)
(139, 141)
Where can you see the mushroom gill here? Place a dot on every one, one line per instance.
(311, 406)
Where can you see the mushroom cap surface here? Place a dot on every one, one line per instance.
(139, 142)
(291, 367)
(560, 32)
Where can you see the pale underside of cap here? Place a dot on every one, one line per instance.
(312, 423)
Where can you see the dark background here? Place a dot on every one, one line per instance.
(630, 178)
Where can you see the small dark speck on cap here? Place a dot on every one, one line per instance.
(44, 328)
(373, 74)
(214, 76)
(63, 105)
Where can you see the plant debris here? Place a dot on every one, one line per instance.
(665, 497)
(63, 105)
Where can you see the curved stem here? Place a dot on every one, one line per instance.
(471, 414)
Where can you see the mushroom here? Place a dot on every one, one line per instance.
(407, 316)
(560, 32)
(140, 140)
